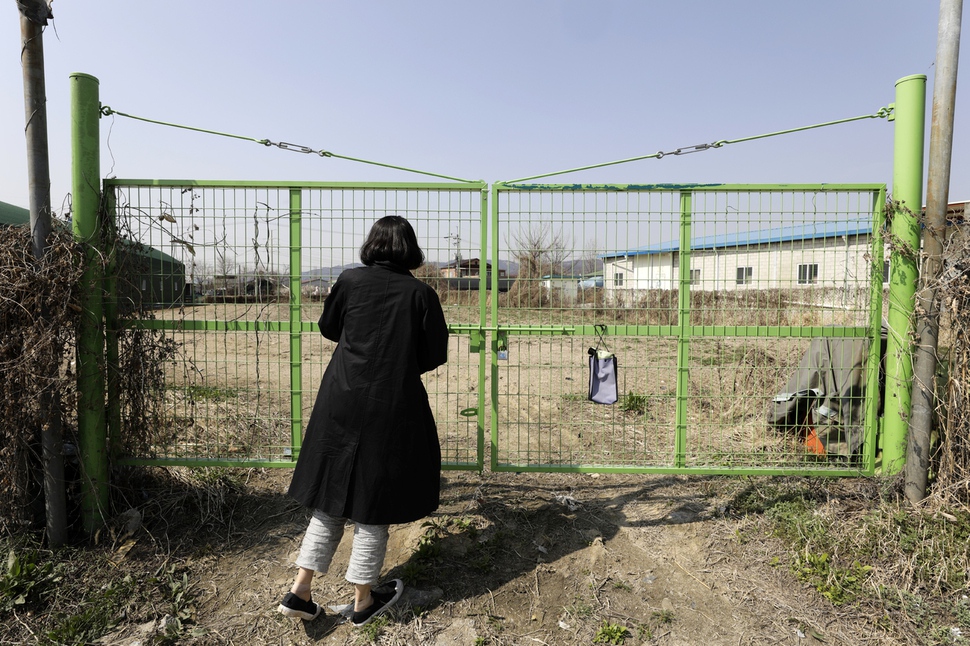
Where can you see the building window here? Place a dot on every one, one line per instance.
(618, 279)
(808, 274)
(885, 272)
(744, 275)
(695, 276)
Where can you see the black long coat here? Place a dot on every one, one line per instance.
(371, 450)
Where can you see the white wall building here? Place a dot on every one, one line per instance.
(566, 286)
(820, 254)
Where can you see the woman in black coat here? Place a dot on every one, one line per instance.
(371, 451)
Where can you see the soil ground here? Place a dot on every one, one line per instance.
(507, 559)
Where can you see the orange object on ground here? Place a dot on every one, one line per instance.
(813, 443)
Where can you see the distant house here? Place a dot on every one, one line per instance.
(831, 254)
(466, 274)
(566, 286)
(225, 285)
(589, 281)
(157, 277)
(468, 268)
(11, 215)
(262, 288)
(315, 288)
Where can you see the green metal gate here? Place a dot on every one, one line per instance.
(237, 273)
(708, 295)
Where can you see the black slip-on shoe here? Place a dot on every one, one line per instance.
(384, 597)
(294, 606)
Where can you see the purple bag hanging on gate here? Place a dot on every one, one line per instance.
(602, 376)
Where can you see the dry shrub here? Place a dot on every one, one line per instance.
(38, 315)
(953, 291)
(463, 297)
(591, 297)
(431, 274)
(40, 310)
(526, 293)
(447, 293)
(741, 307)
(750, 307)
(140, 388)
(655, 307)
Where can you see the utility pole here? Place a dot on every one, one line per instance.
(456, 239)
(33, 17)
(934, 234)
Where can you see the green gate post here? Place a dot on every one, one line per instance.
(482, 322)
(874, 366)
(498, 337)
(296, 322)
(86, 192)
(683, 337)
(907, 192)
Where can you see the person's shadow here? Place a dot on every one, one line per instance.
(529, 520)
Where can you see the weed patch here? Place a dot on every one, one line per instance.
(633, 403)
(28, 579)
(210, 393)
(371, 632)
(610, 633)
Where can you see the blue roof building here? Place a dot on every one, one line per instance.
(822, 254)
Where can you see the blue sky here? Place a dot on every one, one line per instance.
(491, 91)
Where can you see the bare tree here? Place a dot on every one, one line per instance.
(540, 249)
(591, 262)
(225, 266)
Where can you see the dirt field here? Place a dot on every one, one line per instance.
(228, 396)
(507, 559)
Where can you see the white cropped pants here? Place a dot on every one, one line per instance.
(322, 537)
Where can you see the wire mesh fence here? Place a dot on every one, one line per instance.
(237, 276)
(709, 297)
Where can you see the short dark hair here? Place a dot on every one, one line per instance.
(392, 239)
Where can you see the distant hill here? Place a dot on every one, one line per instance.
(511, 268)
(331, 273)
